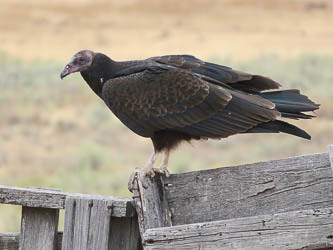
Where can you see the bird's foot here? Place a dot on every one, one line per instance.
(162, 170)
(142, 174)
(133, 177)
(147, 172)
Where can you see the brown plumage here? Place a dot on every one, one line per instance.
(179, 98)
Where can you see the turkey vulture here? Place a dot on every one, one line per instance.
(179, 98)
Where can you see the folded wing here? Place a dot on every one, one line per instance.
(170, 98)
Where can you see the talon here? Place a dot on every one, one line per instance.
(132, 178)
(163, 171)
(151, 173)
(167, 173)
(144, 174)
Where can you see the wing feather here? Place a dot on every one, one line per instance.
(162, 98)
(226, 75)
(239, 116)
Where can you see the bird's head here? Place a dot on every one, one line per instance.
(81, 61)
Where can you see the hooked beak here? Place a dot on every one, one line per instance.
(65, 72)
(70, 68)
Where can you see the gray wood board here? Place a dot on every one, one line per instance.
(38, 228)
(330, 153)
(297, 183)
(36, 197)
(151, 204)
(9, 241)
(87, 224)
(124, 234)
(306, 229)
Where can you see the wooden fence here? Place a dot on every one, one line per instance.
(281, 204)
(91, 222)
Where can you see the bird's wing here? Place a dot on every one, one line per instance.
(160, 98)
(235, 79)
(170, 98)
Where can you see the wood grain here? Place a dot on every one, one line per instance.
(10, 241)
(87, 224)
(124, 234)
(306, 229)
(298, 183)
(38, 228)
(151, 203)
(330, 153)
(36, 197)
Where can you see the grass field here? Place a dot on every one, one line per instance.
(58, 134)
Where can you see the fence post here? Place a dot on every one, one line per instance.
(87, 224)
(151, 203)
(38, 228)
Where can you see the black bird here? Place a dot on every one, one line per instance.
(179, 98)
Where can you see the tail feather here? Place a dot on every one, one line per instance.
(291, 104)
(279, 126)
(296, 115)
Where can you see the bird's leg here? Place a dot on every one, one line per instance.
(164, 164)
(148, 168)
(142, 173)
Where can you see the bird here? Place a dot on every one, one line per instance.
(179, 98)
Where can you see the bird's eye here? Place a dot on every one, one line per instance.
(81, 59)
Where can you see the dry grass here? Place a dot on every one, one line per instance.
(136, 28)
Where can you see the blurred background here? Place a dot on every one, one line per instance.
(58, 134)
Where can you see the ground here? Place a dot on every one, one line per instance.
(129, 29)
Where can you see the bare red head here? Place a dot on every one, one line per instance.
(81, 61)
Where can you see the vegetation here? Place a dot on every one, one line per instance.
(57, 134)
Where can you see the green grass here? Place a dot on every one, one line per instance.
(58, 134)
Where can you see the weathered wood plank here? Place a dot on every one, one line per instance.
(330, 153)
(298, 183)
(87, 223)
(10, 241)
(99, 228)
(306, 229)
(32, 197)
(38, 228)
(68, 235)
(35, 197)
(151, 203)
(124, 234)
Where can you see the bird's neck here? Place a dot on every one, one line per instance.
(101, 70)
